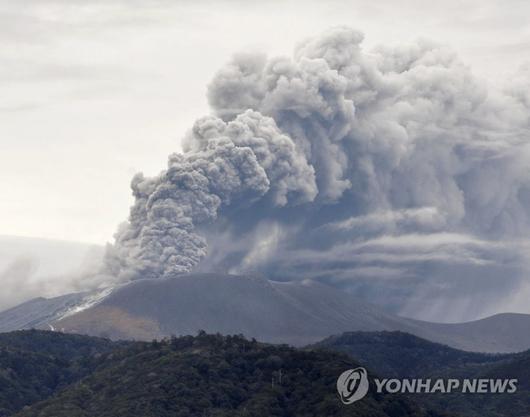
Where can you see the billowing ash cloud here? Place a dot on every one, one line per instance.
(225, 167)
(393, 173)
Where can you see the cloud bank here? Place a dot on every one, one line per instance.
(32, 267)
(393, 173)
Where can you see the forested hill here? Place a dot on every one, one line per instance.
(206, 375)
(402, 355)
(36, 364)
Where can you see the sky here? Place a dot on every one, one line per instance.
(94, 91)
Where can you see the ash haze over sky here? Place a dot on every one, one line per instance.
(396, 172)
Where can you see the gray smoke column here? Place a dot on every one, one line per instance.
(394, 173)
(224, 165)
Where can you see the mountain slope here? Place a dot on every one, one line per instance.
(38, 312)
(36, 364)
(508, 332)
(52, 374)
(274, 312)
(401, 355)
(216, 376)
(297, 313)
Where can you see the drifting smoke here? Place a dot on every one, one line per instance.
(394, 173)
(31, 268)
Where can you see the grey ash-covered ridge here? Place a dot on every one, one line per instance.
(38, 312)
(297, 313)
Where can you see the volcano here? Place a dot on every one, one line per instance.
(295, 313)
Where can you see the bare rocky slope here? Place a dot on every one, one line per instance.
(294, 313)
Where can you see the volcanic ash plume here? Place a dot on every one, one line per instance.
(224, 165)
(368, 170)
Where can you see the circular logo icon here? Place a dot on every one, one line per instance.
(352, 385)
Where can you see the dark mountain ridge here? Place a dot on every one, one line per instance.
(402, 355)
